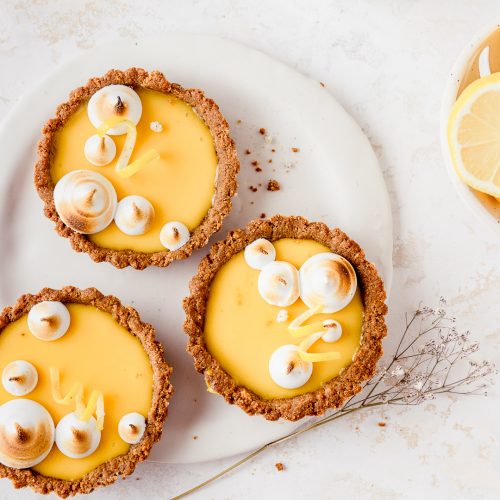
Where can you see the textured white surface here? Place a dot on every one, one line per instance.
(387, 63)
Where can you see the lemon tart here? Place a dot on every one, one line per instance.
(135, 170)
(84, 394)
(286, 318)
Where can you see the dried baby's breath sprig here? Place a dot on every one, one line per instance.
(432, 358)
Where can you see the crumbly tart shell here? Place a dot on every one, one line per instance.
(123, 465)
(333, 393)
(225, 183)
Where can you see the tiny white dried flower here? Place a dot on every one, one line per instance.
(398, 371)
(418, 385)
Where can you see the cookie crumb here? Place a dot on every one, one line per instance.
(262, 131)
(273, 185)
(195, 437)
(273, 150)
(269, 161)
(255, 163)
(382, 424)
(238, 121)
(137, 478)
(258, 169)
(253, 189)
(322, 84)
(247, 152)
(279, 466)
(295, 150)
(262, 215)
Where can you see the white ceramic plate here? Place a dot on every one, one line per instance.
(335, 178)
(489, 218)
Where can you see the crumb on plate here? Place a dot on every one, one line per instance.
(273, 185)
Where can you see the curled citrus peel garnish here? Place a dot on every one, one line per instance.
(94, 405)
(297, 330)
(123, 167)
(75, 395)
(314, 332)
(314, 357)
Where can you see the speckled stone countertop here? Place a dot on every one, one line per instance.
(387, 63)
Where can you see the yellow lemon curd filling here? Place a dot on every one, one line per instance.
(179, 185)
(100, 354)
(241, 330)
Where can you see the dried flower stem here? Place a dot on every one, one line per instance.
(422, 367)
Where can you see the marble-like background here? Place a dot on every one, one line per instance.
(386, 62)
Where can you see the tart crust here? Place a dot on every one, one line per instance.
(225, 183)
(122, 465)
(333, 393)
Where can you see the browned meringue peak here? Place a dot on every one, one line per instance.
(131, 427)
(327, 280)
(278, 283)
(26, 433)
(77, 438)
(85, 201)
(100, 151)
(259, 253)
(114, 101)
(19, 378)
(134, 215)
(174, 235)
(49, 320)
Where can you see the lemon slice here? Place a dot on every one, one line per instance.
(474, 135)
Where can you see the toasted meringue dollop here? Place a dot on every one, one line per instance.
(49, 320)
(287, 368)
(114, 100)
(259, 253)
(174, 235)
(100, 150)
(77, 438)
(329, 280)
(26, 433)
(278, 283)
(19, 378)
(333, 331)
(134, 215)
(131, 427)
(86, 201)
